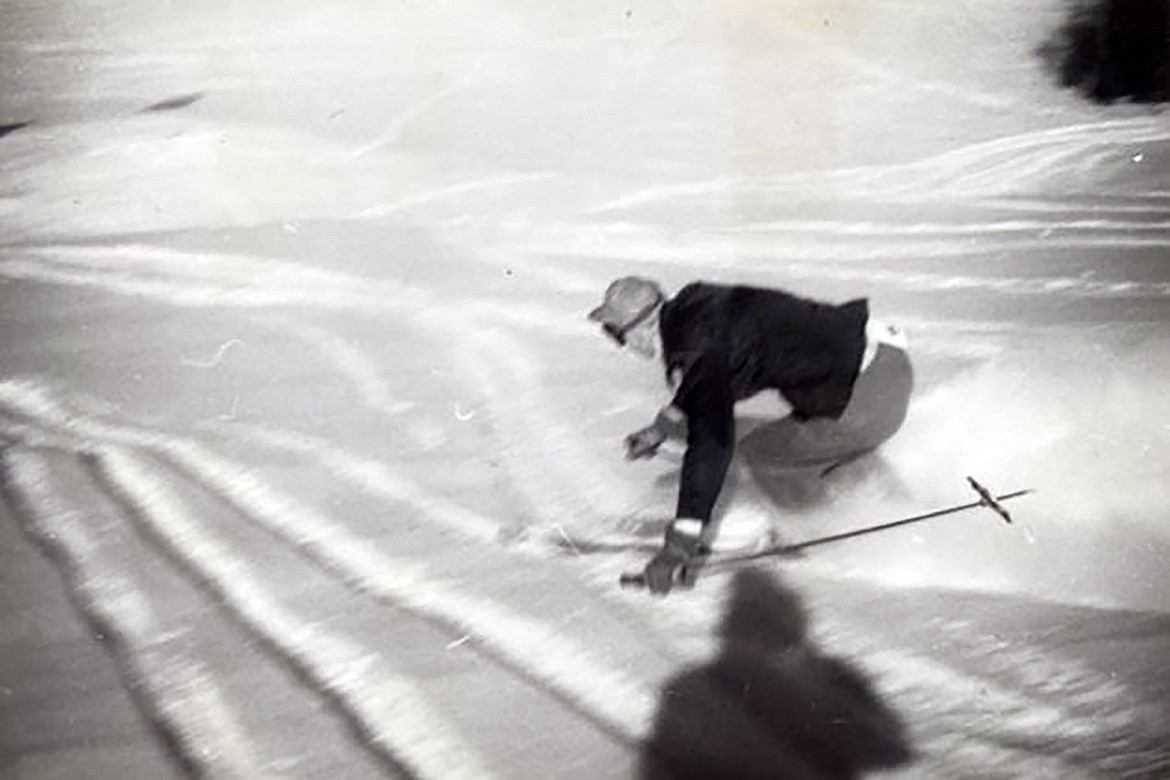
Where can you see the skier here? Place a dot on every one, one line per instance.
(846, 377)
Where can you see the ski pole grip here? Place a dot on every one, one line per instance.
(989, 501)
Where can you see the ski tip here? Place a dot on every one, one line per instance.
(632, 580)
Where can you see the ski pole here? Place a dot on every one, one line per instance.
(986, 499)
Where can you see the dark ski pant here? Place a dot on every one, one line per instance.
(877, 409)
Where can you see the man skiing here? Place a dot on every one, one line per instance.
(841, 372)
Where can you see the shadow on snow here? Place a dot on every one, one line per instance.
(771, 704)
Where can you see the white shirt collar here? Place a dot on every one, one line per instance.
(878, 332)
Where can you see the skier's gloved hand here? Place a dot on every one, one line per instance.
(644, 443)
(679, 560)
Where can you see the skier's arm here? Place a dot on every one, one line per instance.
(706, 399)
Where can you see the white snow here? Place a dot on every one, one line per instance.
(336, 301)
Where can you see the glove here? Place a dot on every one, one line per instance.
(644, 443)
(680, 559)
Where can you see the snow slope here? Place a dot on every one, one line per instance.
(297, 392)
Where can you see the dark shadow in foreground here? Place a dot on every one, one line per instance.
(1113, 49)
(771, 705)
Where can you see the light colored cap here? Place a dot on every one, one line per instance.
(627, 300)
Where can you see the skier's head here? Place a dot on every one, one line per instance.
(629, 314)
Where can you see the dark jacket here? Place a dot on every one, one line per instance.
(726, 343)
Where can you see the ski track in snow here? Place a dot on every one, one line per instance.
(531, 649)
(181, 692)
(236, 281)
(812, 258)
(989, 169)
(1051, 715)
(989, 707)
(988, 718)
(363, 374)
(496, 363)
(548, 465)
(372, 477)
(1014, 713)
(387, 706)
(1012, 723)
